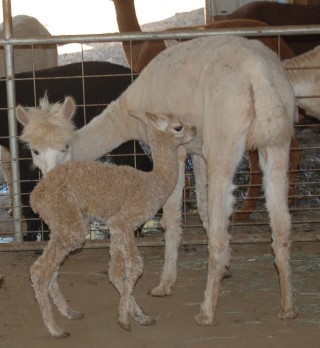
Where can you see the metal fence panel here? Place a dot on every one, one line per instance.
(253, 228)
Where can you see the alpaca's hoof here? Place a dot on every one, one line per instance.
(160, 291)
(125, 326)
(61, 334)
(203, 319)
(148, 321)
(289, 313)
(74, 315)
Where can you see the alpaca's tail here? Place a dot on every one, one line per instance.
(274, 107)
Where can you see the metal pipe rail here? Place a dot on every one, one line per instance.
(162, 35)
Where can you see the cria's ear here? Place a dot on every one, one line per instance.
(22, 115)
(68, 107)
(159, 120)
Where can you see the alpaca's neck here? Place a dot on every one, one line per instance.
(126, 15)
(111, 128)
(165, 162)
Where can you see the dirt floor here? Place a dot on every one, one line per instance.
(247, 311)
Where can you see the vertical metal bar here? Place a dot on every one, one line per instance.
(210, 10)
(11, 102)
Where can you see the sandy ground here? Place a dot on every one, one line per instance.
(247, 311)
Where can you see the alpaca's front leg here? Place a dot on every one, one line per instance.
(171, 222)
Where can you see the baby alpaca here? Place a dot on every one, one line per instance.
(121, 196)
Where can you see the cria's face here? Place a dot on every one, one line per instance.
(47, 159)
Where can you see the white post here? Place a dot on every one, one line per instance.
(210, 10)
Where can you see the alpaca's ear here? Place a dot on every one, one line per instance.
(68, 107)
(160, 121)
(22, 115)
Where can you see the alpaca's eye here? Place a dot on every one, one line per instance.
(36, 152)
(178, 129)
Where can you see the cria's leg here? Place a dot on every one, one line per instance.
(59, 299)
(274, 164)
(55, 292)
(44, 272)
(125, 268)
(41, 276)
(138, 314)
(222, 161)
(171, 222)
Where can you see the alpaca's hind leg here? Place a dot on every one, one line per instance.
(222, 161)
(274, 164)
(138, 314)
(124, 270)
(41, 275)
(171, 222)
(79, 230)
(59, 299)
(133, 270)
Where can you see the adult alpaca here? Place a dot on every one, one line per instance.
(27, 58)
(140, 53)
(237, 94)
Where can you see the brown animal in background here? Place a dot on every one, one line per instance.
(276, 14)
(140, 53)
